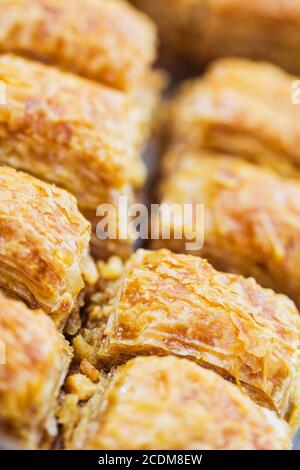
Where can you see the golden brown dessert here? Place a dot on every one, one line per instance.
(240, 108)
(32, 371)
(252, 217)
(196, 31)
(75, 133)
(108, 41)
(44, 244)
(68, 130)
(171, 403)
(167, 303)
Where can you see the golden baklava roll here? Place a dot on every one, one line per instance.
(44, 244)
(167, 303)
(108, 41)
(78, 134)
(171, 403)
(34, 363)
(251, 217)
(194, 32)
(68, 130)
(242, 108)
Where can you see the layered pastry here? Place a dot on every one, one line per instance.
(165, 303)
(242, 108)
(251, 217)
(44, 245)
(33, 366)
(171, 403)
(77, 134)
(108, 41)
(196, 31)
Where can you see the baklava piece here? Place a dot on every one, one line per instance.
(240, 108)
(194, 32)
(171, 403)
(78, 134)
(32, 370)
(167, 303)
(251, 217)
(44, 245)
(108, 41)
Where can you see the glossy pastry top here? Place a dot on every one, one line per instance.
(44, 249)
(32, 369)
(167, 303)
(170, 403)
(242, 108)
(68, 130)
(108, 41)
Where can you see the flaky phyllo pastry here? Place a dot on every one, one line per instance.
(194, 32)
(178, 304)
(44, 244)
(252, 216)
(241, 108)
(35, 362)
(156, 349)
(76, 133)
(108, 41)
(70, 131)
(171, 403)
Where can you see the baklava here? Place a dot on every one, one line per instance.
(32, 370)
(44, 245)
(251, 218)
(165, 303)
(78, 134)
(194, 32)
(171, 403)
(241, 108)
(108, 41)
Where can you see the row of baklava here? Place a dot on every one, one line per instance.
(76, 379)
(84, 134)
(139, 375)
(78, 97)
(230, 144)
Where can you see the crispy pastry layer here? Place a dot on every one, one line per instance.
(241, 108)
(77, 134)
(44, 244)
(178, 304)
(32, 371)
(108, 41)
(68, 130)
(252, 217)
(196, 31)
(171, 403)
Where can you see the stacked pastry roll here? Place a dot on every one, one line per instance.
(32, 371)
(231, 145)
(194, 32)
(44, 251)
(107, 41)
(44, 262)
(243, 108)
(81, 135)
(72, 128)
